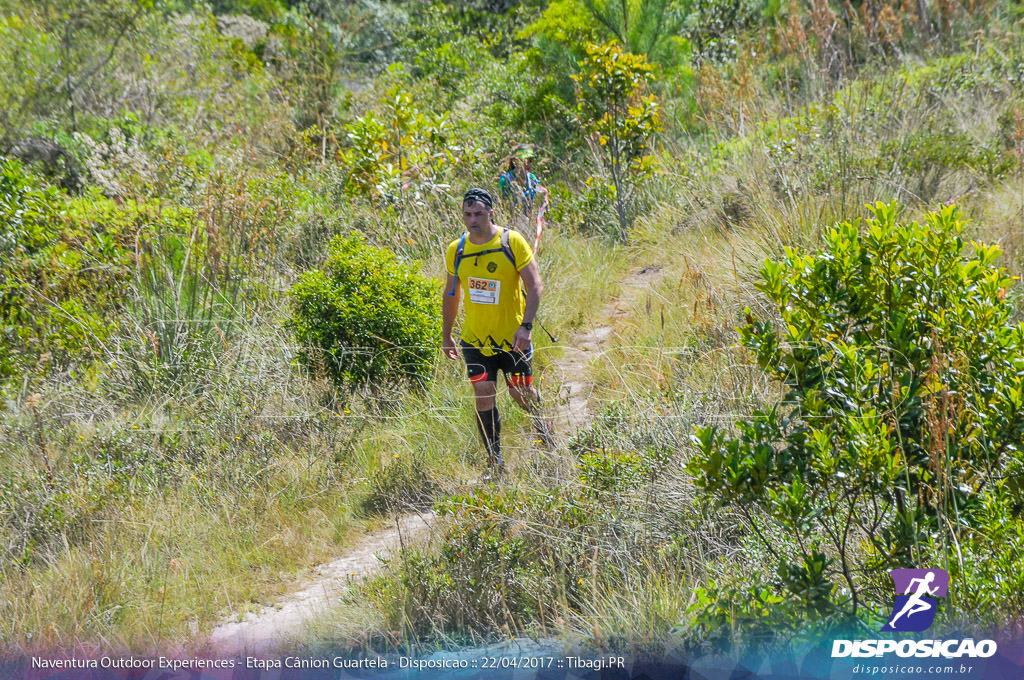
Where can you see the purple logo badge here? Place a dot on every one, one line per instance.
(914, 608)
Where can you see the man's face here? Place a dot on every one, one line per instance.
(476, 216)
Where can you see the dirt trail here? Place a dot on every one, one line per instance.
(273, 626)
(589, 345)
(263, 631)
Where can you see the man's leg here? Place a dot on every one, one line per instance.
(483, 373)
(520, 385)
(528, 398)
(488, 420)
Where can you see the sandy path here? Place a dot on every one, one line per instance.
(590, 344)
(273, 626)
(261, 632)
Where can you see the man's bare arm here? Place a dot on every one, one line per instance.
(449, 308)
(530, 275)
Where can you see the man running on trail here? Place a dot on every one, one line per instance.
(489, 266)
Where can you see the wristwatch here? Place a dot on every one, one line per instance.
(528, 325)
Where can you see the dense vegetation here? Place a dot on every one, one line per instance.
(221, 227)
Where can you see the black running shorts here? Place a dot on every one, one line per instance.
(515, 365)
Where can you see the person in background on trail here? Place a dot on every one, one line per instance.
(526, 198)
(490, 267)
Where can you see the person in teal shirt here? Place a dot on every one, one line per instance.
(522, 192)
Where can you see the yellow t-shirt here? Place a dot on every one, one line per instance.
(491, 290)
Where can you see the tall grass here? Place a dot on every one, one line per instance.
(205, 471)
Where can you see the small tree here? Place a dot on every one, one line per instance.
(902, 424)
(399, 153)
(366, 318)
(620, 119)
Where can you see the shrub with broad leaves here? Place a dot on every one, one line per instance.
(902, 424)
(366, 318)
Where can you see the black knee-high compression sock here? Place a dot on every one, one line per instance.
(489, 424)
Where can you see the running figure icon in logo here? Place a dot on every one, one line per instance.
(914, 607)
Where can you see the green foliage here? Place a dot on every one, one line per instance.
(565, 25)
(28, 54)
(587, 209)
(558, 37)
(400, 154)
(28, 212)
(128, 158)
(532, 95)
(450, 64)
(714, 26)
(610, 470)
(447, 52)
(150, 296)
(561, 36)
(645, 27)
(925, 131)
(484, 578)
(366, 318)
(510, 553)
(310, 63)
(903, 416)
(56, 503)
(620, 120)
(491, 571)
(620, 451)
(66, 46)
(928, 154)
(265, 10)
(725, 615)
(61, 259)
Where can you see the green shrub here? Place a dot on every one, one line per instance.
(903, 418)
(367, 318)
(589, 209)
(60, 259)
(713, 26)
(490, 572)
(402, 153)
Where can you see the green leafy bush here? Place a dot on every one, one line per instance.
(646, 27)
(402, 153)
(590, 209)
(902, 423)
(59, 260)
(367, 318)
(493, 566)
(514, 555)
(483, 579)
(713, 26)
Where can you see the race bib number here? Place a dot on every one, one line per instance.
(484, 291)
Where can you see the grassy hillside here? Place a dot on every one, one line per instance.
(171, 454)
